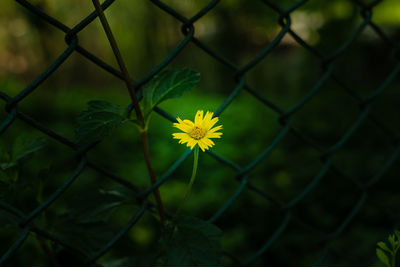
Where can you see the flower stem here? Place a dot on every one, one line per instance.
(189, 187)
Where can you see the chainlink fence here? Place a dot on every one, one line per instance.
(287, 209)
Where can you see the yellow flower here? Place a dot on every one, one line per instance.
(198, 132)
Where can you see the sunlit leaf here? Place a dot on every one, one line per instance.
(383, 246)
(383, 257)
(392, 241)
(397, 233)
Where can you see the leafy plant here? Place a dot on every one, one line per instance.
(186, 241)
(384, 252)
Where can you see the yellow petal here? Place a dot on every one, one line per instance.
(207, 119)
(198, 120)
(213, 135)
(216, 128)
(208, 116)
(182, 141)
(188, 122)
(211, 123)
(185, 125)
(192, 143)
(202, 145)
(208, 142)
(182, 136)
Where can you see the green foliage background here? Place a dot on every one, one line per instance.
(94, 208)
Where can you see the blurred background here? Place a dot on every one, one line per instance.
(237, 31)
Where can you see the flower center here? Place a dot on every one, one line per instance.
(197, 133)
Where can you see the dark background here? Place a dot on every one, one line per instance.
(237, 31)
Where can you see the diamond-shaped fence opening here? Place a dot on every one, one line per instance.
(299, 188)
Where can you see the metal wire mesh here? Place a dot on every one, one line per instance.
(188, 27)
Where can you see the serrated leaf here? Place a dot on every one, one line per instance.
(98, 121)
(168, 84)
(191, 242)
(383, 246)
(382, 257)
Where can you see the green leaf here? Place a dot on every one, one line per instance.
(96, 206)
(383, 257)
(397, 233)
(383, 246)
(23, 148)
(168, 84)
(392, 241)
(85, 224)
(191, 242)
(12, 159)
(87, 237)
(9, 175)
(98, 121)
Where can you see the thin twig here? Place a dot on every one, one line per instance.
(120, 61)
(153, 178)
(135, 103)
